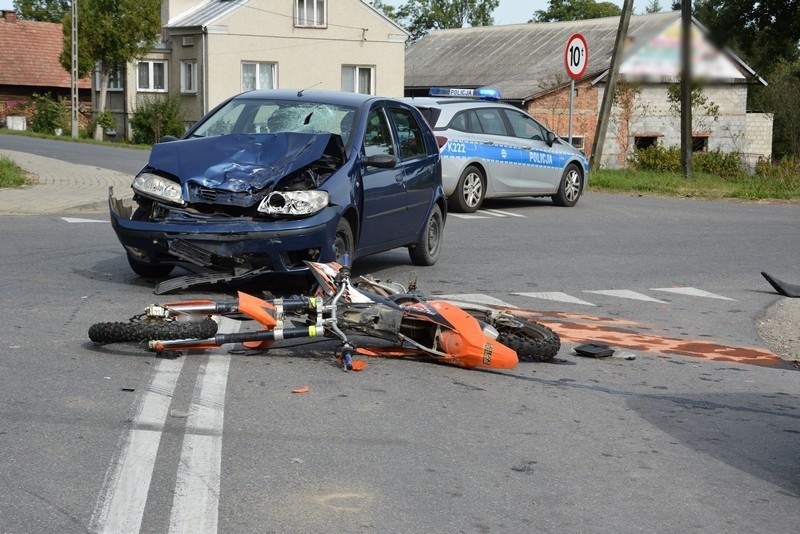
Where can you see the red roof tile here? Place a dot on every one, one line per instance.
(29, 54)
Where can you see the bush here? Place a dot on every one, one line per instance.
(156, 117)
(661, 159)
(718, 163)
(656, 158)
(47, 114)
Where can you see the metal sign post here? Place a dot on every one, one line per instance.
(576, 59)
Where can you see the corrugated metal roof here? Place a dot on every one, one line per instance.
(522, 60)
(205, 14)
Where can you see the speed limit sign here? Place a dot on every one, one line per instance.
(576, 56)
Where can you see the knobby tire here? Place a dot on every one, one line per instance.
(534, 342)
(136, 331)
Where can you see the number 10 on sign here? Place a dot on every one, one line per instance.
(576, 59)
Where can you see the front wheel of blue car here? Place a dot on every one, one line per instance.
(426, 251)
(344, 243)
(149, 270)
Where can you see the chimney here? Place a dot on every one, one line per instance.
(10, 16)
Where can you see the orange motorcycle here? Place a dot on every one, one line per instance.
(465, 336)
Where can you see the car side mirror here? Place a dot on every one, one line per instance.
(382, 161)
(550, 139)
(167, 139)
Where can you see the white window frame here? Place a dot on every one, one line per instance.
(188, 76)
(351, 77)
(114, 82)
(311, 13)
(260, 65)
(151, 63)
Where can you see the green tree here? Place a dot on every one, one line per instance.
(387, 9)
(653, 7)
(419, 17)
(703, 109)
(782, 98)
(576, 10)
(760, 32)
(42, 10)
(111, 33)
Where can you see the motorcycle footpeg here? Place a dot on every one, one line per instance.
(347, 357)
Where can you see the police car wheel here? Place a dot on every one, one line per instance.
(569, 191)
(470, 190)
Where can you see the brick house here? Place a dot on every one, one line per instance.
(210, 50)
(30, 52)
(526, 62)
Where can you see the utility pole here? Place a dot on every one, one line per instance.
(75, 99)
(686, 89)
(611, 86)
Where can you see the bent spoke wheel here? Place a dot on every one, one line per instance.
(151, 329)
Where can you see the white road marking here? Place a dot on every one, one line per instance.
(79, 220)
(477, 298)
(120, 507)
(195, 507)
(465, 216)
(692, 292)
(556, 295)
(626, 294)
(499, 213)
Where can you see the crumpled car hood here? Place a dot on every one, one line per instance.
(238, 163)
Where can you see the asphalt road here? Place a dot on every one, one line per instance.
(110, 437)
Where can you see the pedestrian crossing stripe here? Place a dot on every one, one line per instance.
(475, 298)
(555, 295)
(499, 213)
(79, 220)
(559, 296)
(626, 294)
(466, 216)
(691, 291)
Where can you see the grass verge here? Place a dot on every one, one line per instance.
(11, 174)
(779, 183)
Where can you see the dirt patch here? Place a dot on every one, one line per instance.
(780, 329)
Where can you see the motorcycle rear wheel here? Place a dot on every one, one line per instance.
(148, 330)
(533, 342)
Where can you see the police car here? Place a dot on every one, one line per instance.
(491, 149)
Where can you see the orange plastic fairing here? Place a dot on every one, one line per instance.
(257, 309)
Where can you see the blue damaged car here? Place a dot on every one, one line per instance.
(269, 179)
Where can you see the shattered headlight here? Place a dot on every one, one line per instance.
(154, 186)
(294, 202)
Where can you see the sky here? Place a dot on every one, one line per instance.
(508, 12)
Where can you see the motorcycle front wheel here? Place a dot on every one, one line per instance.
(151, 329)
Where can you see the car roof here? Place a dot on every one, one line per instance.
(322, 96)
(460, 103)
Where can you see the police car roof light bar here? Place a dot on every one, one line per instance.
(484, 93)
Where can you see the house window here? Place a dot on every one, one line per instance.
(114, 82)
(577, 141)
(357, 79)
(258, 76)
(152, 76)
(188, 76)
(644, 142)
(700, 144)
(311, 13)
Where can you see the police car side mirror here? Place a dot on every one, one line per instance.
(382, 161)
(550, 138)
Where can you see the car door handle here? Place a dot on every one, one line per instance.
(399, 177)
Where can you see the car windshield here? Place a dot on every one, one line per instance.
(248, 115)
